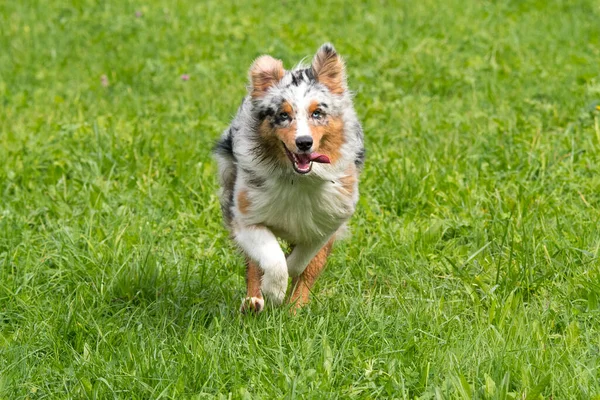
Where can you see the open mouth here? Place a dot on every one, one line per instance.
(302, 162)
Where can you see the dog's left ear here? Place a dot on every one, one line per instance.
(328, 69)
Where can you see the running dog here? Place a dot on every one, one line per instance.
(289, 165)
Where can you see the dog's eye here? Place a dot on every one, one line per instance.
(317, 114)
(284, 116)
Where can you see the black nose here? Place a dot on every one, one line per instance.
(304, 143)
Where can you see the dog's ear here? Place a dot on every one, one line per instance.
(265, 72)
(328, 69)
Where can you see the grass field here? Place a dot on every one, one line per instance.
(473, 270)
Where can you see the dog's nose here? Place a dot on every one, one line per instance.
(304, 143)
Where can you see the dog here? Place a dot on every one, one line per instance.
(289, 166)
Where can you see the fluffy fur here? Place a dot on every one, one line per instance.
(289, 166)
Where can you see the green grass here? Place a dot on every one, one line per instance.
(473, 270)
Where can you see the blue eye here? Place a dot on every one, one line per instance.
(317, 114)
(284, 116)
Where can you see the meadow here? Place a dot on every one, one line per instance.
(473, 268)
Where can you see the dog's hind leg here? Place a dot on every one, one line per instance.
(303, 284)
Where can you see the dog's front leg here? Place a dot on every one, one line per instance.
(261, 246)
(302, 254)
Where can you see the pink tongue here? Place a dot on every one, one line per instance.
(303, 160)
(320, 158)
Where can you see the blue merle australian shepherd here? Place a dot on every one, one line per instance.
(288, 166)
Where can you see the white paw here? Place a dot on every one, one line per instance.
(252, 304)
(274, 286)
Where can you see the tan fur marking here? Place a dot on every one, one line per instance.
(349, 179)
(313, 106)
(330, 137)
(306, 280)
(253, 277)
(265, 72)
(329, 70)
(271, 138)
(243, 202)
(288, 136)
(287, 107)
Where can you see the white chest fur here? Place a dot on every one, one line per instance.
(298, 209)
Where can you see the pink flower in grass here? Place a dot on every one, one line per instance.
(185, 77)
(104, 80)
(138, 14)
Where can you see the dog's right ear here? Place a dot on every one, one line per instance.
(265, 72)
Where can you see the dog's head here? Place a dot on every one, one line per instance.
(300, 111)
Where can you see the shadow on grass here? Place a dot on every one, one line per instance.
(174, 294)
